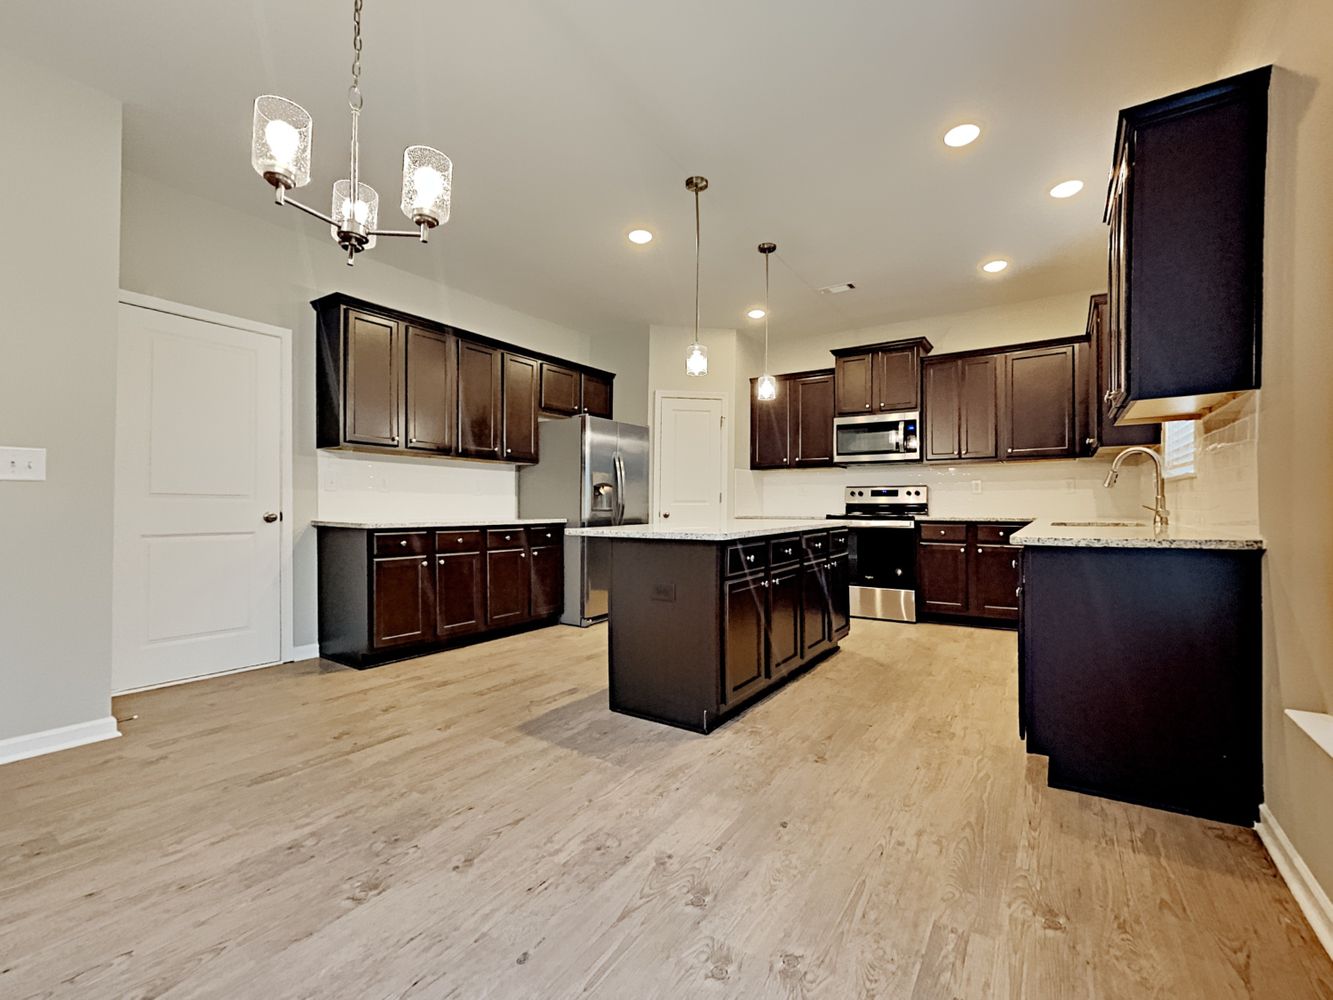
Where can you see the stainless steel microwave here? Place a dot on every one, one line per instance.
(876, 437)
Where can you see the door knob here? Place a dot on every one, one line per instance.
(270, 517)
(666, 515)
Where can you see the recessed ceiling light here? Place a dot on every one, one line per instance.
(640, 236)
(846, 286)
(995, 266)
(756, 313)
(1066, 189)
(961, 135)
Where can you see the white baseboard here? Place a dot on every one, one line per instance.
(1310, 895)
(60, 738)
(310, 651)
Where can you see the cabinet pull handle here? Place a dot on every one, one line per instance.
(1013, 564)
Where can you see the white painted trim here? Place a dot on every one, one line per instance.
(1310, 895)
(1316, 725)
(60, 738)
(310, 651)
(286, 534)
(724, 477)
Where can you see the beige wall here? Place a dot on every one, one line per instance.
(180, 247)
(1295, 420)
(57, 391)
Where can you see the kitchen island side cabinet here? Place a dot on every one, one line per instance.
(698, 629)
(390, 594)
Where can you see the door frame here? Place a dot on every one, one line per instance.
(287, 650)
(724, 477)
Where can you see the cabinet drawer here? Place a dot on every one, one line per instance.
(461, 540)
(816, 545)
(746, 557)
(934, 532)
(782, 551)
(837, 542)
(403, 543)
(504, 538)
(545, 534)
(995, 534)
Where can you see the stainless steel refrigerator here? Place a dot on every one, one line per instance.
(591, 472)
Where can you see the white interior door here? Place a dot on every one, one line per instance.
(691, 459)
(197, 586)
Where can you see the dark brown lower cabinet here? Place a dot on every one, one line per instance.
(699, 629)
(448, 584)
(508, 586)
(941, 577)
(460, 594)
(968, 570)
(993, 581)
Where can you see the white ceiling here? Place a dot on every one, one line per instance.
(572, 121)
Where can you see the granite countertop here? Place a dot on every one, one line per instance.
(437, 523)
(729, 531)
(1138, 536)
(978, 518)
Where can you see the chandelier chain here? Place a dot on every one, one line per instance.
(354, 92)
(766, 256)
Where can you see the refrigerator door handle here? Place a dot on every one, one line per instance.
(619, 462)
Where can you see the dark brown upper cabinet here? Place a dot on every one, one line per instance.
(1039, 414)
(372, 387)
(520, 389)
(770, 427)
(390, 382)
(561, 390)
(432, 410)
(961, 407)
(1101, 430)
(811, 419)
(479, 416)
(597, 394)
(879, 378)
(941, 386)
(1185, 208)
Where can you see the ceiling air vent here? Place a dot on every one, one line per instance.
(837, 289)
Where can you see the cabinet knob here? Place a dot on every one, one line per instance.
(425, 562)
(1009, 451)
(1089, 441)
(509, 451)
(963, 549)
(460, 539)
(867, 406)
(1013, 564)
(522, 555)
(750, 557)
(898, 572)
(403, 542)
(506, 538)
(441, 562)
(411, 440)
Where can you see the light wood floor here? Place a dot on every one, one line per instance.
(477, 824)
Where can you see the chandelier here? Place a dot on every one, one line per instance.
(767, 386)
(280, 153)
(696, 357)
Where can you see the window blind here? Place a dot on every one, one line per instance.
(1180, 441)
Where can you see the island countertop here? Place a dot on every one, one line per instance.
(439, 522)
(729, 530)
(1091, 534)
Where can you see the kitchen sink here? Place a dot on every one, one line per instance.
(1099, 524)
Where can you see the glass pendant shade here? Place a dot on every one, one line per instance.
(766, 388)
(359, 218)
(427, 182)
(696, 360)
(280, 142)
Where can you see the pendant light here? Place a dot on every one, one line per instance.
(696, 358)
(767, 386)
(280, 153)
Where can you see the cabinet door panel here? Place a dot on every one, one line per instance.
(1104, 429)
(520, 408)
(812, 419)
(371, 393)
(784, 621)
(561, 391)
(942, 409)
(548, 579)
(978, 396)
(402, 601)
(1039, 403)
(507, 587)
(596, 395)
(478, 400)
(897, 381)
(941, 577)
(814, 608)
(854, 380)
(744, 636)
(993, 587)
(431, 381)
(840, 597)
(770, 428)
(460, 596)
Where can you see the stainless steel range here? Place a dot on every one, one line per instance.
(883, 549)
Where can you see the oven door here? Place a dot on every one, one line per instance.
(876, 437)
(883, 572)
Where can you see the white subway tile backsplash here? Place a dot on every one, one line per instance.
(1224, 492)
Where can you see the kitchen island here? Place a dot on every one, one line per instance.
(704, 622)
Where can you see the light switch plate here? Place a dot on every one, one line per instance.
(23, 463)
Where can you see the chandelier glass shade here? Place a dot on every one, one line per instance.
(280, 151)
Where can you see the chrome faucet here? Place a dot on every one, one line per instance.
(1160, 517)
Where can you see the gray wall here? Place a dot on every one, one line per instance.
(61, 175)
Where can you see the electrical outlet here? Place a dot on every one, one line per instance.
(23, 463)
(976, 486)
